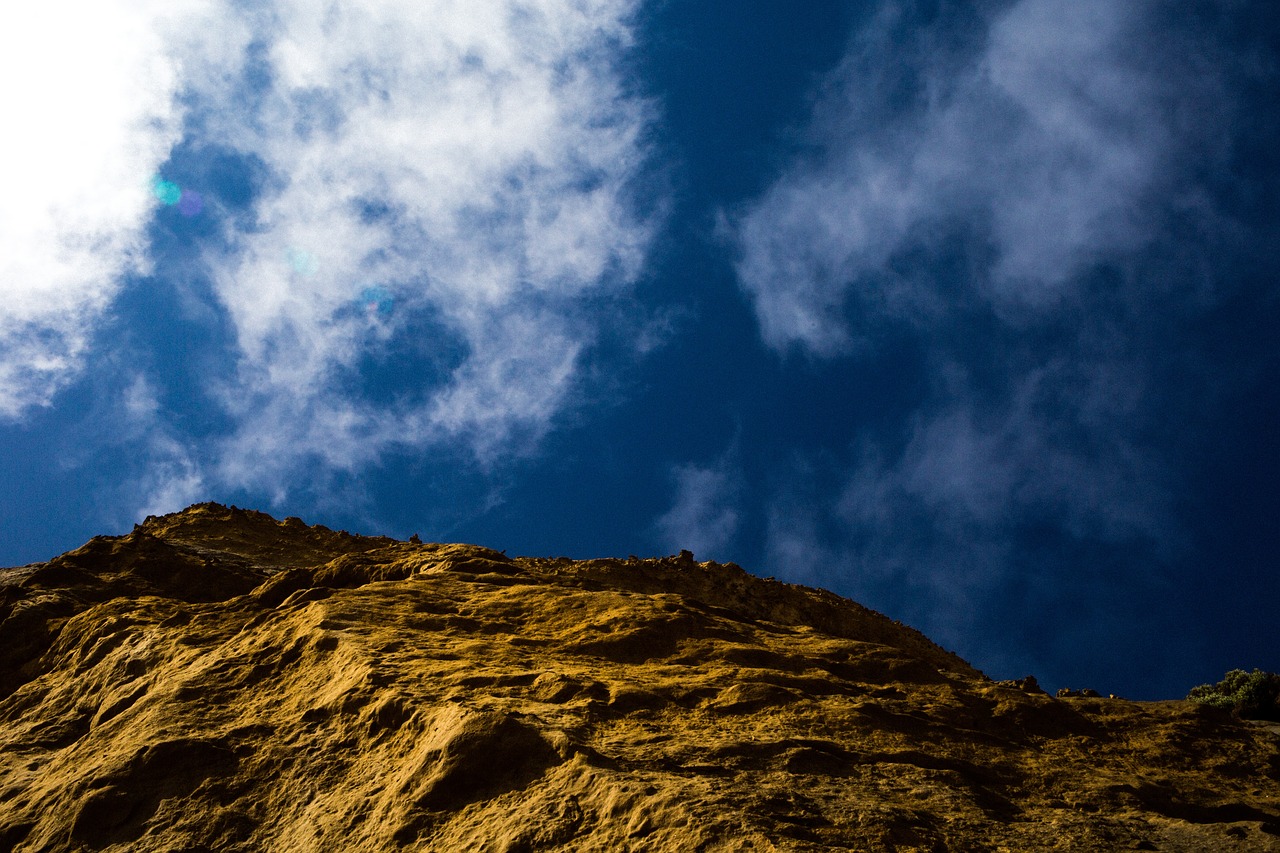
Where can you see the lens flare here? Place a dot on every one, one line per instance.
(303, 263)
(188, 202)
(168, 192)
(191, 203)
(376, 299)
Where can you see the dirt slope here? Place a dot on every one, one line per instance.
(222, 681)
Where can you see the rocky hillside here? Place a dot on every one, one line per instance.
(218, 680)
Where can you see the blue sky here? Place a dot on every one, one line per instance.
(963, 310)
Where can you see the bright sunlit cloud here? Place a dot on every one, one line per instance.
(447, 179)
(90, 111)
(472, 161)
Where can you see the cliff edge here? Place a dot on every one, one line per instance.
(220, 680)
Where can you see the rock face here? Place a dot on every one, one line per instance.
(218, 680)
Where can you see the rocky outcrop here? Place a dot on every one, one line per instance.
(220, 680)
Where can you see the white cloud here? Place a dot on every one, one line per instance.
(496, 143)
(473, 161)
(704, 517)
(998, 179)
(1041, 133)
(88, 92)
(172, 481)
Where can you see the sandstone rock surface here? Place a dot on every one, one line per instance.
(218, 680)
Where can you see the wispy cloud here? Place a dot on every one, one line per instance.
(1048, 139)
(444, 199)
(472, 162)
(1009, 186)
(705, 515)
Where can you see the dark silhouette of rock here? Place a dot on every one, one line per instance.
(1029, 684)
(1086, 693)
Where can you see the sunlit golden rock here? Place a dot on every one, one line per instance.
(218, 680)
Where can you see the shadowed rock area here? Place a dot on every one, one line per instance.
(218, 680)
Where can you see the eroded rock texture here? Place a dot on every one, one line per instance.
(222, 681)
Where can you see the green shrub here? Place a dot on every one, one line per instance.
(1249, 695)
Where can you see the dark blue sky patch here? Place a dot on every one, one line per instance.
(55, 509)
(406, 366)
(372, 210)
(732, 82)
(234, 177)
(186, 351)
